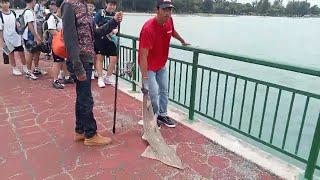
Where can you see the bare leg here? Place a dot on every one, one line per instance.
(99, 64)
(12, 60)
(113, 60)
(29, 58)
(65, 69)
(22, 58)
(36, 58)
(56, 70)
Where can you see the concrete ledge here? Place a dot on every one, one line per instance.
(232, 143)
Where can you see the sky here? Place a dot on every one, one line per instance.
(312, 2)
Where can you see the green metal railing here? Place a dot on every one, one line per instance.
(283, 118)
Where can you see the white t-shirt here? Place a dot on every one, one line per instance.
(9, 30)
(29, 16)
(53, 24)
(39, 10)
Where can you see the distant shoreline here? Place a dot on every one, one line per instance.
(215, 15)
(207, 15)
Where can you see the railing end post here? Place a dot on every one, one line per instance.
(193, 84)
(134, 61)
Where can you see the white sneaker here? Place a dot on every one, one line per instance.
(24, 69)
(16, 71)
(101, 83)
(109, 80)
(92, 76)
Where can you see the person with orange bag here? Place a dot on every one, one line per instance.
(54, 24)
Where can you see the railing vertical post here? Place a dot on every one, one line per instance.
(134, 61)
(314, 152)
(193, 84)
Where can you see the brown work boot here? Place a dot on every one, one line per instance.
(78, 137)
(97, 140)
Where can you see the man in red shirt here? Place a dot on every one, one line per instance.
(154, 43)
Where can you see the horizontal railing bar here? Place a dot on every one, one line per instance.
(178, 103)
(314, 71)
(180, 61)
(317, 96)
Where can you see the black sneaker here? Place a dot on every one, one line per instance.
(68, 81)
(30, 75)
(159, 124)
(166, 121)
(36, 72)
(56, 84)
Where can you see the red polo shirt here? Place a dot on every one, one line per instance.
(156, 38)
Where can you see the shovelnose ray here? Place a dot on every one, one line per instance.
(158, 148)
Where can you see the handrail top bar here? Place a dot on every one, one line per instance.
(304, 70)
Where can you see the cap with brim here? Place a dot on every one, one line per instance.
(165, 4)
(162, 6)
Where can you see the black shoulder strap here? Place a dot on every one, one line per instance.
(24, 11)
(55, 17)
(48, 16)
(1, 17)
(14, 13)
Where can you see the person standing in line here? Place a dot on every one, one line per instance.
(106, 45)
(39, 10)
(10, 38)
(32, 40)
(54, 23)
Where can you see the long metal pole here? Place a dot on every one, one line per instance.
(116, 88)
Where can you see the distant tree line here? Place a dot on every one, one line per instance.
(261, 7)
(258, 7)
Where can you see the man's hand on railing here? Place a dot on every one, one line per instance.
(184, 43)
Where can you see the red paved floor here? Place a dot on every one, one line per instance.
(36, 132)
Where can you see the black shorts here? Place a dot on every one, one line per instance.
(18, 49)
(57, 58)
(105, 47)
(31, 46)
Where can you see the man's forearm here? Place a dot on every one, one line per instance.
(106, 28)
(144, 68)
(144, 62)
(32, 29)
(177, 36)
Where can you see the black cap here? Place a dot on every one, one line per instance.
(165, 4)
(112, 1)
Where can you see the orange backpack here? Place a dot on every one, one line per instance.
(58, 46)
